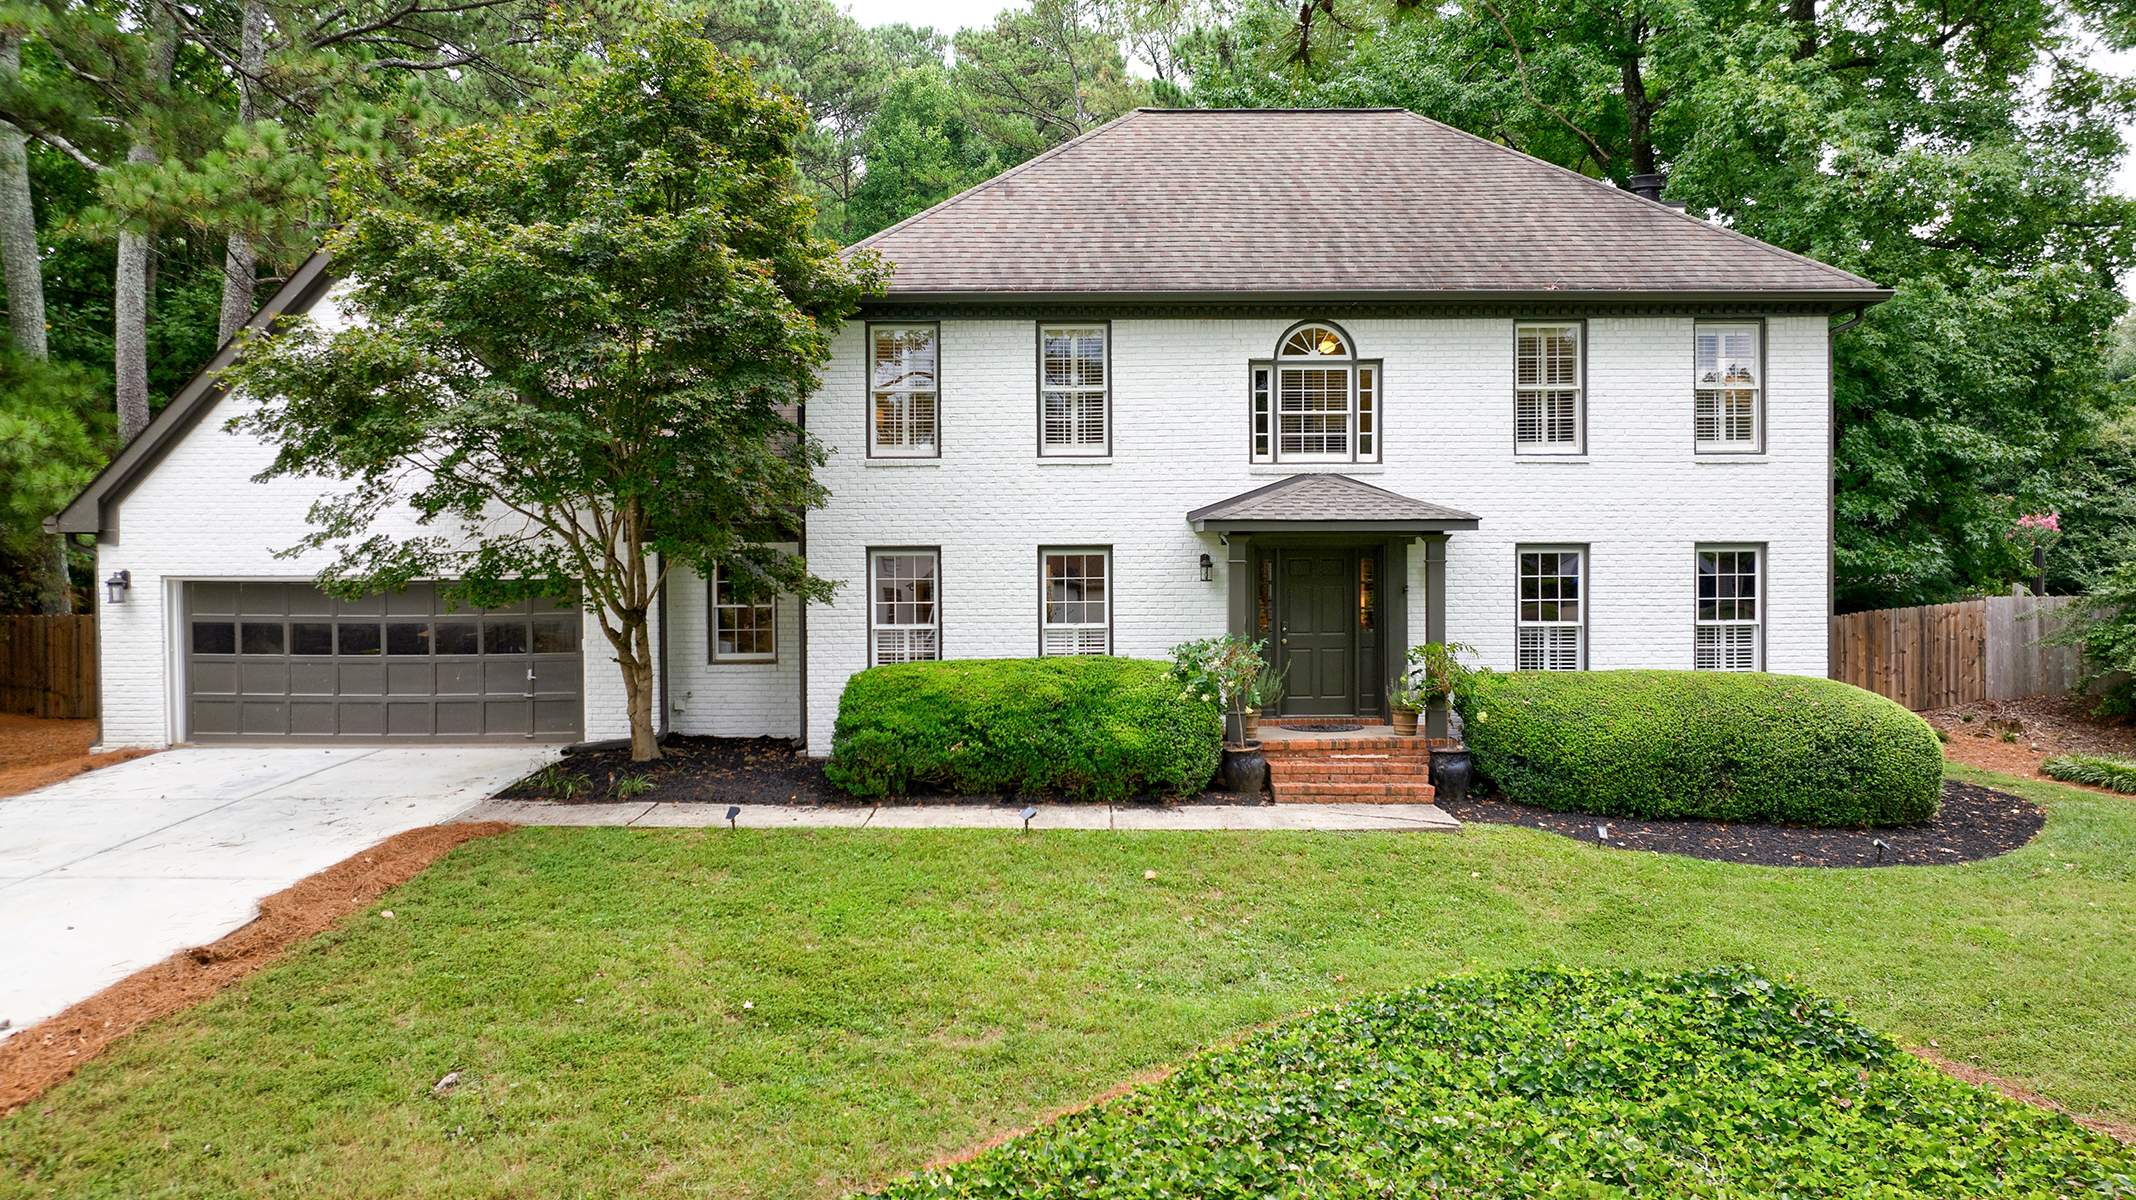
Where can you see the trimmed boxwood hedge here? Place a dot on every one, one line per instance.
(1554, 1082)
(1101, 728)
(1724, 746)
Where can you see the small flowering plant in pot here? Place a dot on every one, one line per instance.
(1227, 669)
(1403, 704)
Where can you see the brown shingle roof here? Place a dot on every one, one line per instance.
(1273, 201)
(1327, 499)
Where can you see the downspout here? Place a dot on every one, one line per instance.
(1861, 312)
(801, 626)
(659, 564)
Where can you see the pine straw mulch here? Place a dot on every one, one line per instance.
(1973, 823)
(36, 753)
(2040, 727)
(49, 1052)
(759, 770)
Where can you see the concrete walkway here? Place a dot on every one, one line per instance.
(641, 814)
(120, 868)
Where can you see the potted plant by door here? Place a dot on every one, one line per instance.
(1228, 668)
(1403, 704)
(1267, 697)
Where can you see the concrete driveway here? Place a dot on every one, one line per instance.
(120, 868)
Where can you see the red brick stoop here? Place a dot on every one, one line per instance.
(1349, 770)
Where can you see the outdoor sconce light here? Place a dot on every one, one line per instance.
(1205, 566)
(115, 587)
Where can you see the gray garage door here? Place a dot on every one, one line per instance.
(284, 662)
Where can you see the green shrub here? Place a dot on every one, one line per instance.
(2113, 774)
(1103, 728)
(1555, 1083)
(1724, 746)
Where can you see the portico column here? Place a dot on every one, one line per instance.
(1435, 617)
(1239, 579)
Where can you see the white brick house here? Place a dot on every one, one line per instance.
(1347, 380)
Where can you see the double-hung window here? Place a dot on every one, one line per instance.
(1728, 373)
(1073, 392)
(1315, 401)
(1076, 609)
(1728, 627)
(905, 398)
(1552, 633)
(1548, 390)
(904, 613)
(742, 624)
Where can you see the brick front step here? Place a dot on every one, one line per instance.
(1360, 792)
(1297, 747)
(1297, 768)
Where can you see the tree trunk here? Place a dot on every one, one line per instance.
(1802, 14)
(58, 598)
(241, 262)
(130, 287)
(18, 224)
(1640, 108)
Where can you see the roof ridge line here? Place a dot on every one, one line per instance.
(1700, 222)
(1004, 176)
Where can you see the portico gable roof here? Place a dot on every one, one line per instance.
(1327, 503)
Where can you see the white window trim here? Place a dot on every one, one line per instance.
(1731, 629)
(1084, 633)
(877, 628)
(712, 611)
(1545, 632)
(1103, 447)
(1755, 443)
(1265, 401)
(875, 448)
(1578, 445)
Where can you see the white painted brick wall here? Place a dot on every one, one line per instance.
(729, 699)
(1640, 498)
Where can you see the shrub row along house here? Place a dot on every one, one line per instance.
(1347, 380)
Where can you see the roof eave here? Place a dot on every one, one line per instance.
(1418, 525)
(1840, 299)
(95, 508)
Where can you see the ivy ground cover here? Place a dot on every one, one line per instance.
(812, 1013)
(1554, 1082)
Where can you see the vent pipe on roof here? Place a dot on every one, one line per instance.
(1648, 186)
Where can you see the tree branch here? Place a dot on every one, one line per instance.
(1521, 63)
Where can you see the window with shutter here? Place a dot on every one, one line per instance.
(1552, 621)
(1316, 402)
(1075, 601)
(1727, 375)
(904, 615)
(1073, 390)
(1729, 621)
(905, 391)
(742, 625)
(1547, 389)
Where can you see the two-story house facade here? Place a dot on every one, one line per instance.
(1348, 381)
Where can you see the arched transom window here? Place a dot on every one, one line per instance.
(1316, 401)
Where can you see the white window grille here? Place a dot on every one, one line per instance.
(1729, 624)
(742, 626)
(1553, 610)
(1727, 375)
(1077, 617)
(1316, 402)
(1073, 389)
(905, 390)
(1547, 389)
(904, 615)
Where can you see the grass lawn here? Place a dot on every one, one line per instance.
(699, 1012)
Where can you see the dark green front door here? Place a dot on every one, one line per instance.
(1316, 634)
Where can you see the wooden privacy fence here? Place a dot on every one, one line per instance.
(1940, 655)
(48, 666)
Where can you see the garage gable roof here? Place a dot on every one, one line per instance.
(1285, 202)
(96, 508)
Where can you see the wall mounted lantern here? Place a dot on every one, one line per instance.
(1205, 566)
(115, 587)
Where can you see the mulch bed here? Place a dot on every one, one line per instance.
(37, 753)
(49, 1052)
(1974, 823)
(763, 770)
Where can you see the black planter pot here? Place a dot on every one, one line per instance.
(1451, 771)
(1243, 770)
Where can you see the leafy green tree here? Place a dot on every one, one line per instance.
(577, 332)
(54, 434)
(1960, 154)
(1038, 77)
(919, 151)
